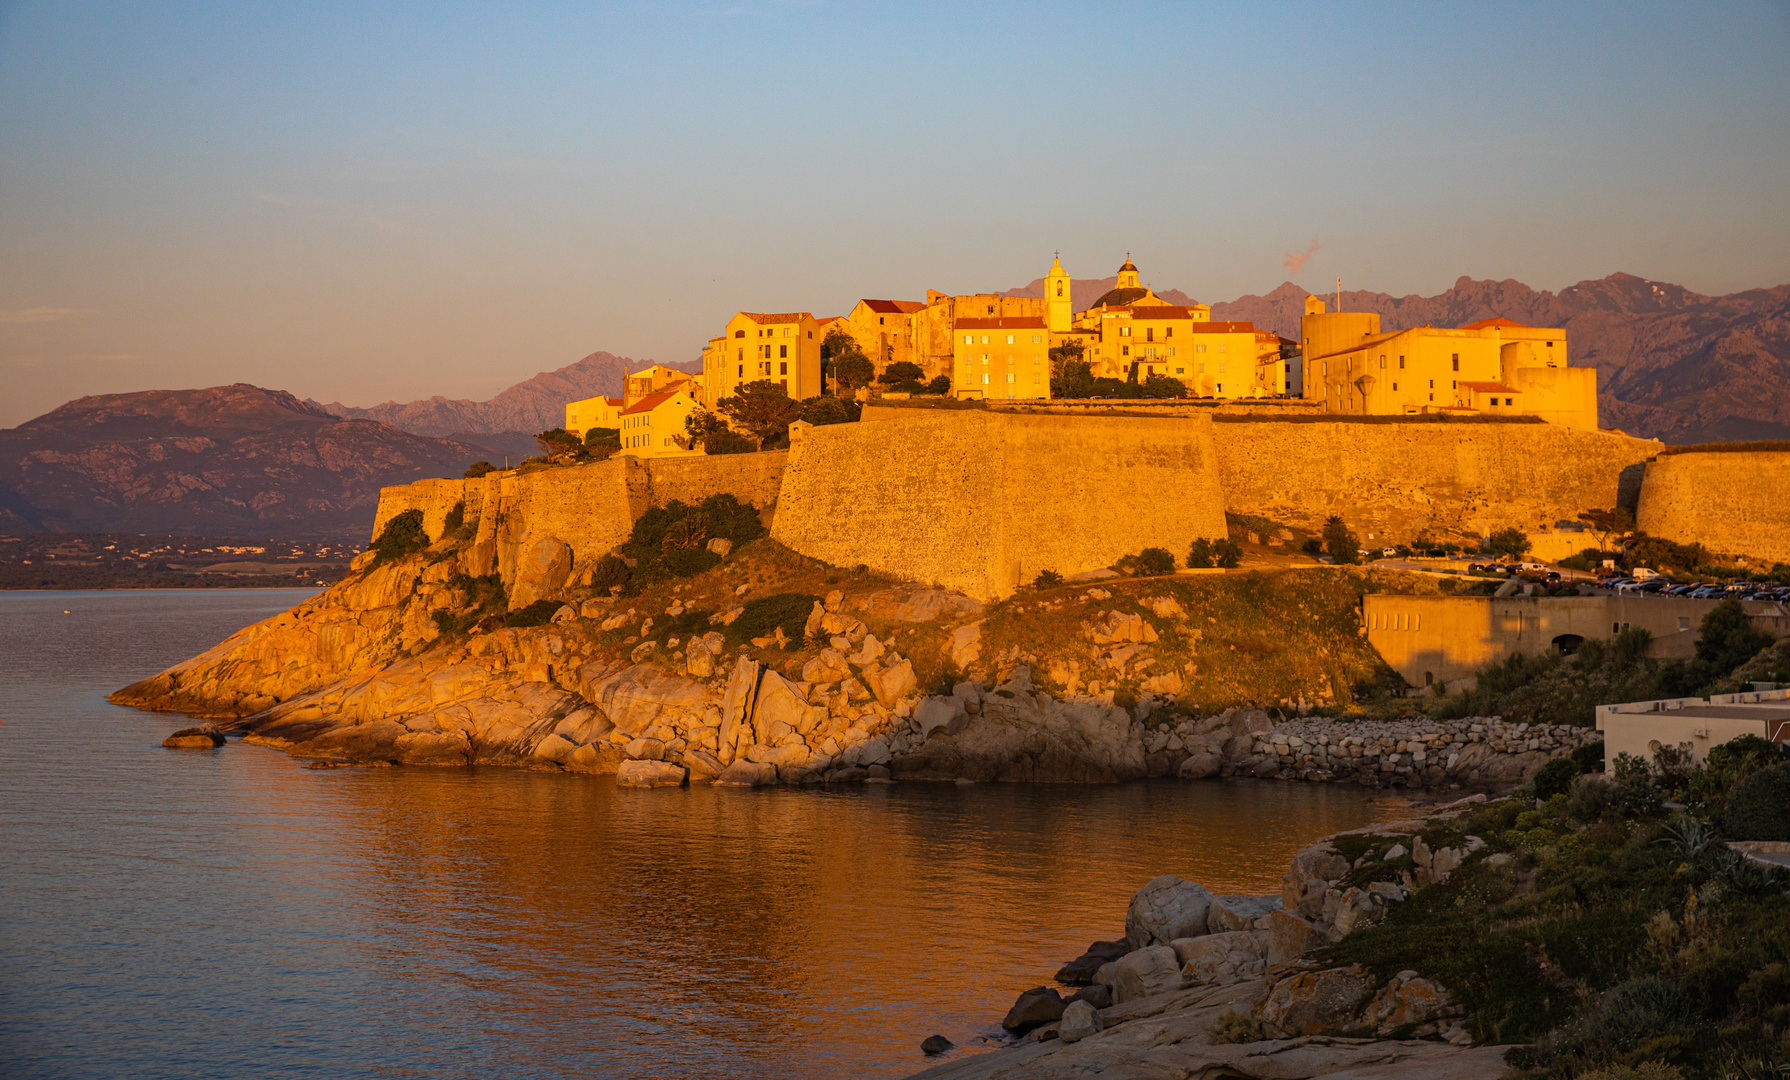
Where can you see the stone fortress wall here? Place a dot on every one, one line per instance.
(1732, 502)
(982, 500)
(1393, 481)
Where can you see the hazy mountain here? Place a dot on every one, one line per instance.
(1672, 364)
(515, 414)
(226, 461)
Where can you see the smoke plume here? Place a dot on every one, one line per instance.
(1295, 260)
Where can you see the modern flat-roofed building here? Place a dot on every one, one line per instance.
(1642, 727)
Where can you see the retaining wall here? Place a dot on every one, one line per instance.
(1732, 503)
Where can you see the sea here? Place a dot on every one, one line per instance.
(230, 913)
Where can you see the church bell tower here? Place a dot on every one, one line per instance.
(1058, 307)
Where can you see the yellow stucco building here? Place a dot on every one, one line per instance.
(780, 347)
(1001, 358)
(1496, 367)
(884, 330)
(654, 425)
(593, 412)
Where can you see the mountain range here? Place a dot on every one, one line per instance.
(1672, 364)
(508, 422)
(226, 461)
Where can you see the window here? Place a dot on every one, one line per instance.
(1202, 369)
(1454, 384)
(1395, 388)
(879, 320)
(985, 337)
(783, 369)
(739, 333)
(1037, 378)
(1510, 401)
(985, 359)
(1457, 361)
(969, 339)
(783, 351)
(1432, 397)
(742, 373)
(1009, 339)
(1221, 369)
(1432, 387)
(1037, 339)
(985, 378)
(1401, 363)
(1059, 288)
(1149, 333)
(1684, 622)
(1180, 371)
(1124, 350)
(1221, 388)
(1010, 377)
(1382, 363)
(1199, 348)
(1221, 348)
(1168, 332)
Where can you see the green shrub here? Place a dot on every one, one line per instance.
(728, 441)
(671, 541)
(1312, 546)
(762, 616)
(1555, 778)
(478, 469)
(1591, 798)
(901, 371)
(1339, 543)
(1047, 579)
(1227, 553)
(609, 571)
(1199, 556)
(402, 535)
(1590, 757)
(1636, 1013)
(455, 519)
(538, 613)
(939, 385)
(1149, 562)
(1759, 806)
(821, 411)
(1598, 949)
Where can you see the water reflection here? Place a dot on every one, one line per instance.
(226, 912)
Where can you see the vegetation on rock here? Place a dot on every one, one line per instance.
(402, 535)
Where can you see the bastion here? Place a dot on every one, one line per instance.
(1731, 502)
(981, 502)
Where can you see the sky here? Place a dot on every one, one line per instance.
(360, 202)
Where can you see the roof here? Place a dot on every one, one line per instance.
(1166, 311)
(653, 401)
(1487, 324)
(1120, 297)
(1235, 327)
(828, 319)
(763, 317)
(1128, 266)
(1014, 322)
(892, 307)
(1488, 387)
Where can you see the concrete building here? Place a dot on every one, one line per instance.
(1001, 358)
(593, 412)
(1494, 367)
(781, 347)
(1439, 641)
(883, 329)
(1642, 727)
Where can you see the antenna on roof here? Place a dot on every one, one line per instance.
(1339, 294)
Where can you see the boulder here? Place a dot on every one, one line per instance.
(555, 748)
(203, 737)
(1080, 1019)
(1165, 909)
(1080, 971)
(829, 666)
(541, 570)
(647, 774)
(743, 773)
(1240, 913)
(1313, 870)
(1357, 909)
(1290, 937)
(1036, 1007)
(1218, 959)
(736, 710)
(1098, 995)
(935, 1044)
(892, 683)
(966, 645)
(701, 763)
(1408, 998)
(934, 713)
(1199, 766)
(645, 749)
(720, 545)
(788, 756)
(1144, 973)
(1314, 1002)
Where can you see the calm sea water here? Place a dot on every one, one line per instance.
(227, 913)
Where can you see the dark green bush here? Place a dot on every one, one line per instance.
(1149, 562)
(402, 535)
(455, 519)
(901, 371)
(1199, 556)
(939, 385)
(671, 541)
(478, 469)
(1590, 799)
(608, 572)
(1227, 553)
(1759, 806)
(1555, 778)
(538, 613)
(1047, 579)
(763, 615)
(1590, 757)
(821, 411)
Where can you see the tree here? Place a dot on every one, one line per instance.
(763, 408)
(1339, 543)
(838, 343)
(1728, 639)
(1609, 526)
(852, 372)
(601, 444)
(1199, 556)
(901, 371)
(1511, 541)
(1227, 553)
(706, 429)
(1070, 375)
(1164, 386)
(939, 385)
(830, 410)
(478, 469)
(559, 444)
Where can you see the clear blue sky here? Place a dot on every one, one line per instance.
(366, 201)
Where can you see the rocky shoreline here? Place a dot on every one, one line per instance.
(362, 675)
(1205, 985)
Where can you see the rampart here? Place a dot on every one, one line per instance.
(590, 507)
(1393, 481)
(1733, 503)
(981, 501)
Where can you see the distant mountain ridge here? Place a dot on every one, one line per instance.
(532, 405)
(1672, 364)
(233, 460)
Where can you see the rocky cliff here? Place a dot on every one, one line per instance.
(226, 461)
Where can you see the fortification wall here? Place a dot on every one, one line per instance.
(1392, 481)
(1733, 503)
(590, 507)
(982, 501)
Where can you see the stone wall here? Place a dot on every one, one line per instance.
(1732, 503)
(981, 502)
(590, 507)
(1393, 481)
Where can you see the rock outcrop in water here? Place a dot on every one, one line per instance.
(1236, 991)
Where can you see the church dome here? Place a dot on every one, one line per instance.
(1128, 268)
